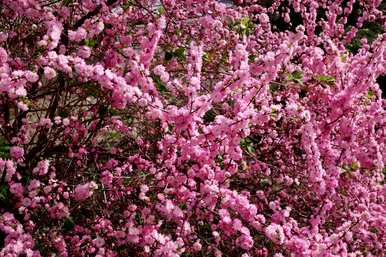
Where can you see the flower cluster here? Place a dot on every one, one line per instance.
(192, 128)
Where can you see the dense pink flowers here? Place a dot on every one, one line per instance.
(84, 191)
(275, 233)
(192, 128)
(49, 73)
(78, 35)
(16, 152)
(3, 56)
(42, 168)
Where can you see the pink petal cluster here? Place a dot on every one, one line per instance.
(276, 233)
(192, 128)
(49, 73)
(84, 191)
(17, 152)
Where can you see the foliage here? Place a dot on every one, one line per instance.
(192, 128)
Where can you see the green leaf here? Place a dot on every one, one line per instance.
(179, 53)
(274, 113)
(68, 224)
(153, 196)
(38, 52)
(325, 79)
(4, 148)
(67, 2)
(343, 57)
(245, 21)
(247, 145)
(113, 112)
(273, 87)
(346, 167)
(91, 42)
(231, 25)
(264, 182)
(244, 26)
(127, 4)
(183, 206)
(127, 181)
(370, 94)
(143, 174)
(205, 56)
(113, 135)
(138, 218)
(161, 11)
(355, 165)
(178, 32)
(251, 149)
(4, 194)
(209, 116)
(297, 75)
(252, 57)
(159, 84)
(220, 158)
(244, 142)
(168, 56)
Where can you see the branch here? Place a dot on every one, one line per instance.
(91, 14)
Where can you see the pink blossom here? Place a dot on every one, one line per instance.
(213, 128)
(58, 211)
(3, 56)
(84, 191)
(275, 233)
(42, 168)
(22, 106)
(31, 76)
(77, 35)
(49, 73)
(21, 91)
(263, 18)
(84, 52)
(17, 189)
(197, 246)
(17, 152)
(245, 242)
(66, 121)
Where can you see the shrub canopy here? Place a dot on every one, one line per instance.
(192, 128)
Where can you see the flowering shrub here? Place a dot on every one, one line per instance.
(192, 128)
